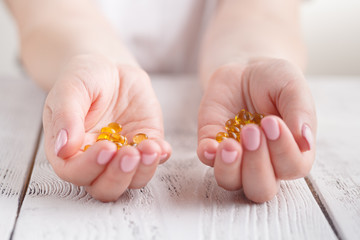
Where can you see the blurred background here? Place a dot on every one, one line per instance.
(331, 29)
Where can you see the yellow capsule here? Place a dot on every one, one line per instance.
(86, 147)
(103, 136)
(133, 144)
(243, 117)
(117, 137)
(118, 145)
(107, 130)
(257, 118)
(229, 123)
(117, 127)
(139, 138)
(232, 135)
(220, 136)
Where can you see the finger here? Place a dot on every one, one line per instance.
(258, 177)
(150, 153)
(206, 151)
(287, 159)
(227, 167)
(165, 150)
(64, 113)
(84, 167)
(117, 177)
(297, 108)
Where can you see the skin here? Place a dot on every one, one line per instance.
(93, 79)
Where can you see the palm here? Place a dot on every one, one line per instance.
(133, 105)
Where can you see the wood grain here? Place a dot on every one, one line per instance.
(182, 201)
(20, 121)
(336, 174)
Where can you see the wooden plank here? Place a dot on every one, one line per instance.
(182, 201)
(336, 174)
(20, 121)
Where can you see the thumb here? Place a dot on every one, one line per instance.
(64, 113)
(297, 108)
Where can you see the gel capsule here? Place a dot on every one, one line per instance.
(139, 138)
(117, 137)
(117, 127)
(107, 130)
(243, 117)
(220, 136)
(103, 136)
(257, 118)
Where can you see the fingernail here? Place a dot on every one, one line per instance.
(105, 156)
(271, 128)
(163, 156)
(306, 133)
(148, 159)
(209, 156)
(251, 136)
(61, 140)
(228, 156)
(128, 163)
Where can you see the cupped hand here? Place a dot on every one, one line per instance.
(90, 93)
(283, 147)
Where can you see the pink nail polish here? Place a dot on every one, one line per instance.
(105, 156)
(209, 156)
(128, 163)
(228, 156)
(271, 128)
(251, 136)
(61, 140)
(149, 159)
(306, 133)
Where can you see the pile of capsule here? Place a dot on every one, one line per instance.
(112, 133)
(233, 126)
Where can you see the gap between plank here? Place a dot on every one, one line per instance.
(322, 207)
(27, 180)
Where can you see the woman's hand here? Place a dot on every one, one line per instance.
(283, 147)
(90, 93)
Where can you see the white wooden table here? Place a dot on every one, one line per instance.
(183, 200)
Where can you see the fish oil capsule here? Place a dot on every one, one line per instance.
(107, 130)
(230, 123)
(118, 145)
(257, 118)
(139, 138)
(232, 135)
(86, 147)
(220, 136)
(133, 144)
(103, 136)
(117, 127)
(117, 137)
(244, 117)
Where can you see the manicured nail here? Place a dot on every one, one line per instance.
(149, 159)
(306, 133)
(105, 156)
(128, 163)
(228, 156)
(163, 156)
(209, 156)
(271, 128)
(251, 136)
(61, 140)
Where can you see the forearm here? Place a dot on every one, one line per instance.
(242, 31)
(51, 32)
